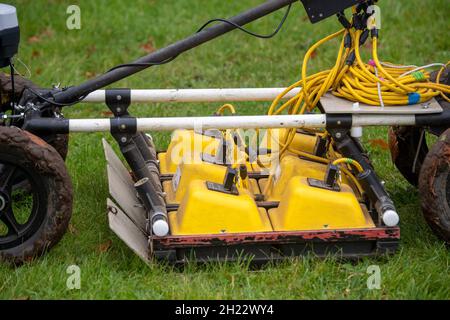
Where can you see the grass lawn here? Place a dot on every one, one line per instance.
(115, 32)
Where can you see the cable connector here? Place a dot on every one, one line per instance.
(351, 58)
(348, 41)
(364, 37)
(359, 22)
(374, 33)
(343, 20)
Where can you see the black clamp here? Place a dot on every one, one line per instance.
(228, 186)
(339, 125)
(123, 126)
(118, 101)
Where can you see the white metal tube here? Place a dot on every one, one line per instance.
(239, 122)
(198, 95)
(365, 120)
(231, 122)
(89, 125)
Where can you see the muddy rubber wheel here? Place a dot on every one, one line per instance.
(59, 141)
(404, 141)
(434, 187)
(35, 213)
(404, 146)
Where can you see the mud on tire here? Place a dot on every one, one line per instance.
(59, 141)
(34, 158)
(434, 187)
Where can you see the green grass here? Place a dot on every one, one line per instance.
(413, 32)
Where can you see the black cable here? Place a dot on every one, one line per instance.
(262, 36)
(149, 64)
(13, 87)
(52, 102)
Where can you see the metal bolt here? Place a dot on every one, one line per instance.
(123, 127)
(123, 139)
(2, 203)
(119, 97)
(119, 110)
(339, 122)
(113, 210)
(338, 135)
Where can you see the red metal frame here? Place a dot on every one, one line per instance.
(287, 237)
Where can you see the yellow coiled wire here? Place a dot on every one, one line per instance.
(375, 84)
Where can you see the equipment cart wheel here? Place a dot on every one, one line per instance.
(408, 145)
(434, 187)
(408, 148)
(35, 196)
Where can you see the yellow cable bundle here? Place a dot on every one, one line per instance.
(374, 83)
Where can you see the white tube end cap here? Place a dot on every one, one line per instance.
(160, 228)
(356, 132)
(391, 218)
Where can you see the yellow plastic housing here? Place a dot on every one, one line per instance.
(302, 141)
(186, 146)
(177, 188)
(292, 166)
(301, 206)
(304, 207)
(203, 211)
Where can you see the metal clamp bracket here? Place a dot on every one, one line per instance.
(118, 101)
(123, 126)
(339, 125)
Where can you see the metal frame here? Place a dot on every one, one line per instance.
(143, 163)
(272, 246)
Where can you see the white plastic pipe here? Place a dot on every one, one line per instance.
(199, 95)
(237, 122)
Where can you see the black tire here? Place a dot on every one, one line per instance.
(403, 144)
(434, 187)
(24, 154)
(59, 141)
